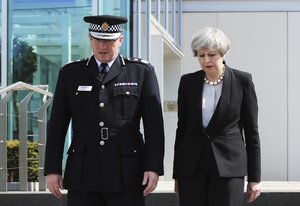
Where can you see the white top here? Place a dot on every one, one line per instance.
(210, 98)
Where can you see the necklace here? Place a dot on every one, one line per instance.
(215, 83)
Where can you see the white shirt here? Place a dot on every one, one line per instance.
(108, 64)
(210, 99)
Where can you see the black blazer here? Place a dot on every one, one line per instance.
(108, 153)
(232, 130)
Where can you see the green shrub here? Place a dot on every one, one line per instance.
(13, 161)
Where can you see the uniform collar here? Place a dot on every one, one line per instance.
(109, 63)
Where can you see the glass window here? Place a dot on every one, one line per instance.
(119, 8)
(43, 36)
(53, 30)
(140, 25)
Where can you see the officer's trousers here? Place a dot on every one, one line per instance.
(83, 198)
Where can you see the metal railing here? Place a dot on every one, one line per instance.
(6, 93)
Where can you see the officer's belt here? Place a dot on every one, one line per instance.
(107, 133)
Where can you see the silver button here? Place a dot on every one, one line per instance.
(127, 92)
(134, 151)
(101, 124)
(101, 143)
(73, 150)
(102, 87)
(101, 104)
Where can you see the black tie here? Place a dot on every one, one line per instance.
(103, 70)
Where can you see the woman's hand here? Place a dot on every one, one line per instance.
(253, 191)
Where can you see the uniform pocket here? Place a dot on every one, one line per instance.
(125, 101)
(74, 165)
(132, 164)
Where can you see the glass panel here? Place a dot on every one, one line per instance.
(144, 32)
(163, 13)
(43, 36)
(154, 8)
(177, 34)
(170, 17)
(119, 8)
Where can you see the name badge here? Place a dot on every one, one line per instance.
(84, 88)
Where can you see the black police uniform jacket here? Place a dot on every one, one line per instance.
(108, 153)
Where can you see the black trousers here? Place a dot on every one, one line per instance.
(83, 198)
(207, 188)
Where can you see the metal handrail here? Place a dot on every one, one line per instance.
(5, 94)
(21, 85)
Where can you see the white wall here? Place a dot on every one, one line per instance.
(167, 60)
(293, 96)
(265, 44)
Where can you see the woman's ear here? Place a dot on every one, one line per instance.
(223, 58)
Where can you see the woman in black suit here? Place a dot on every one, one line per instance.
(217, 141)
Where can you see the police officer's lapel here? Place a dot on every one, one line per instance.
(92, 68)
(115, 70)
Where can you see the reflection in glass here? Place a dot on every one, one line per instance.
(43, 36)
(119, 8)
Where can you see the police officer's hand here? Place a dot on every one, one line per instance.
(150, 181)
(55, 184)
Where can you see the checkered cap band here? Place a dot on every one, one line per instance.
(111, 29)
(105, 36)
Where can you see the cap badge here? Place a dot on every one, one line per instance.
(105, 26)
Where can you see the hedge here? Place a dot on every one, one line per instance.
(13, 161)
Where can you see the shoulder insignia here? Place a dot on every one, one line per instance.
(122, 60)
(133, 59)
(145, 61)
(78, 60)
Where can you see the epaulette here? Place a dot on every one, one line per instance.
(137, 60)
(78, 60)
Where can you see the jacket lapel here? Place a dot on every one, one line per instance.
(115, 70)
(93, 69)
(199, 81)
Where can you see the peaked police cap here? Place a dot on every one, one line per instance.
(106, 27)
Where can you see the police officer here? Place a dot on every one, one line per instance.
(110, 162)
